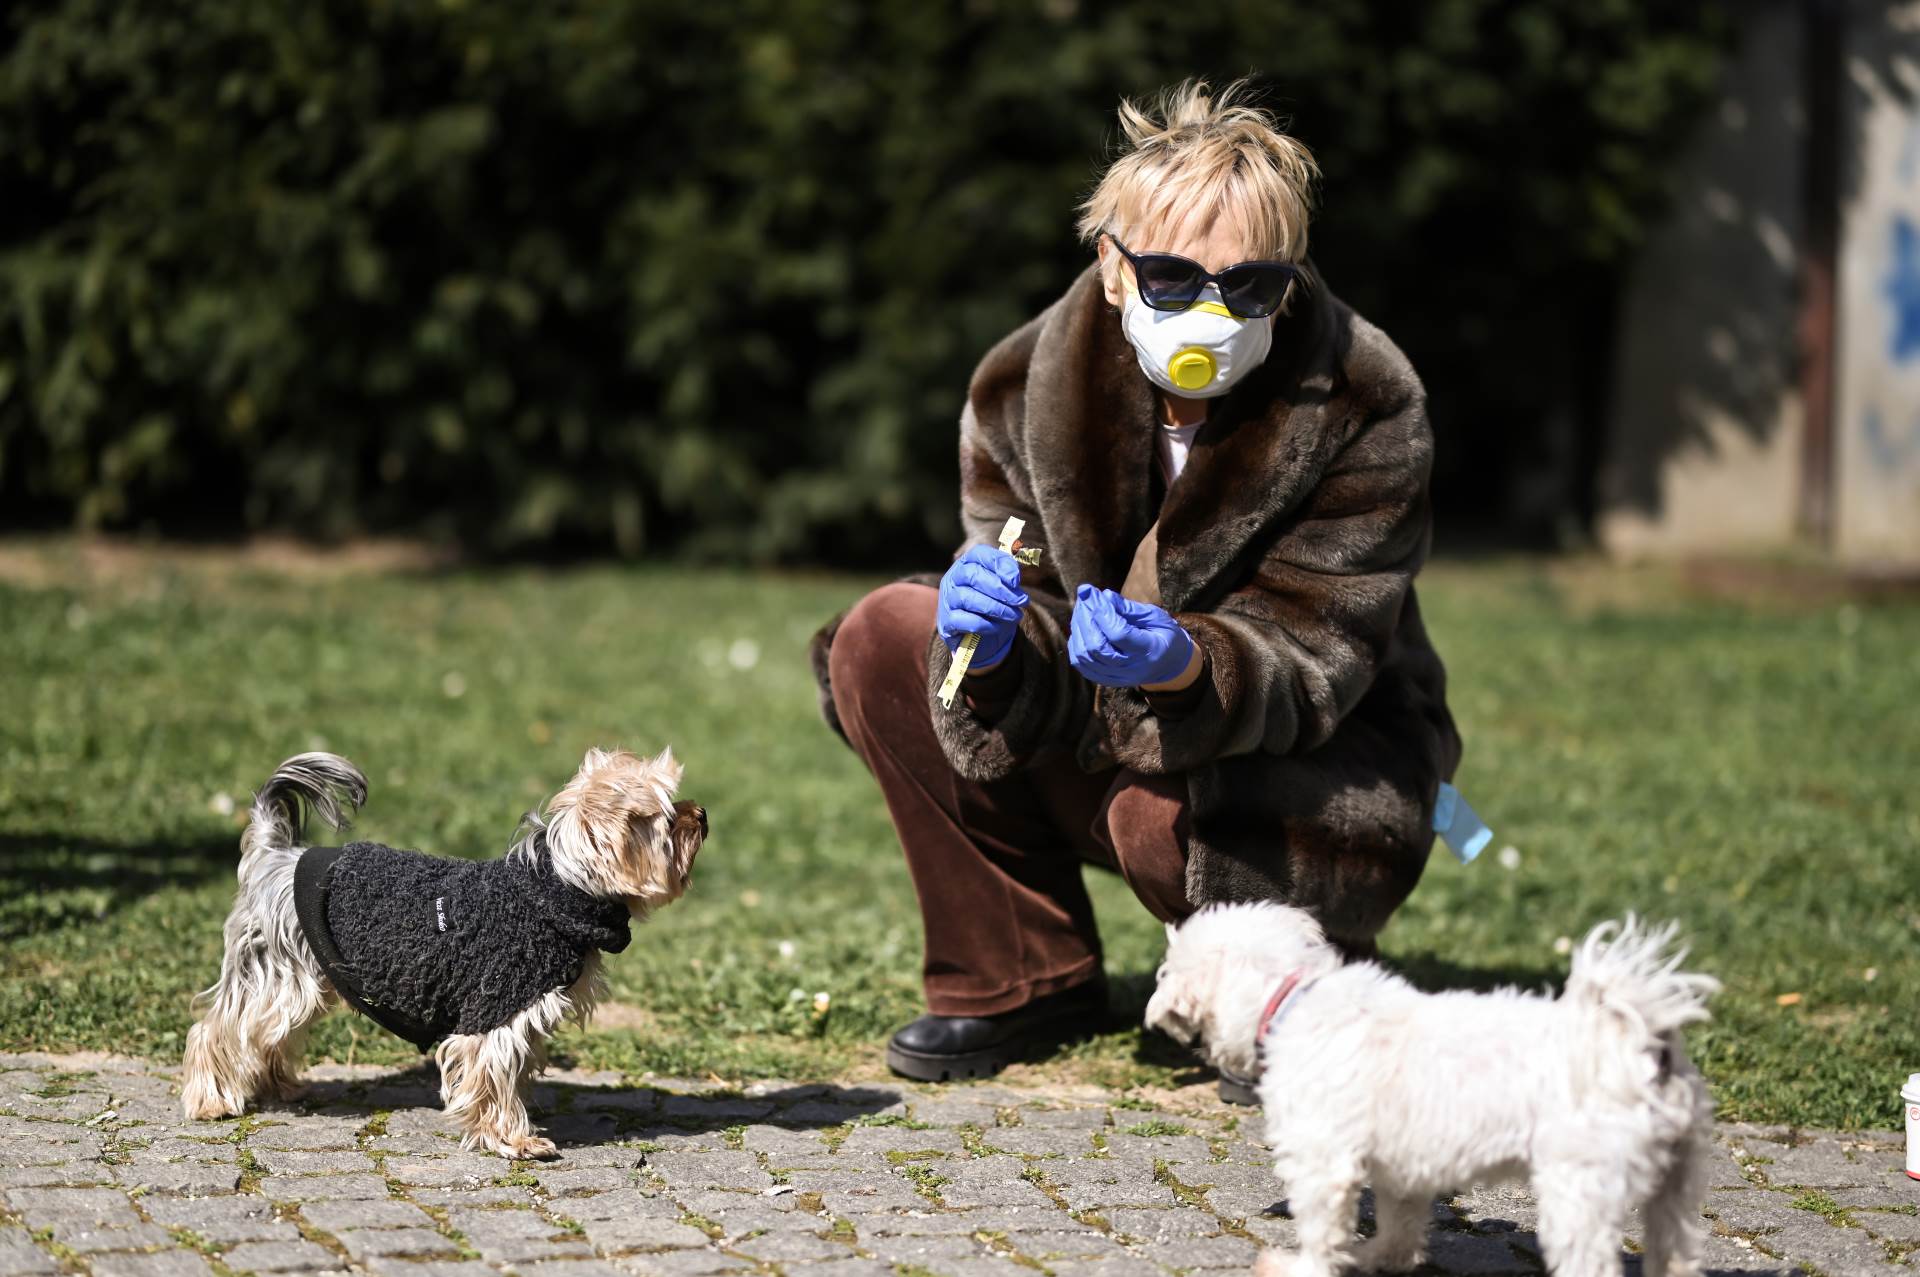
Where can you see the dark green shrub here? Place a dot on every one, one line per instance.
(710, 277)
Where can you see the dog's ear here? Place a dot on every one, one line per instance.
(668, 766)
(1174, 1009)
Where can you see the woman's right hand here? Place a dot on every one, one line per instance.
(981, 594)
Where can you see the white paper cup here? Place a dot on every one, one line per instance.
(1911, 1094)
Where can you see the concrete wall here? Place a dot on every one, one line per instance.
(1705, 432)
(1877, 407)
(1704, 429)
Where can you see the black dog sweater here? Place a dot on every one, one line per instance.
(428, 947)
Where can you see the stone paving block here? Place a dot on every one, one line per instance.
(394, 1266)
(854, 1267)
(1065, 1243)
(571, 1268)
(589, 1179)
(174, 1149)
(857, 1192)
(1160, 1225)
(44, 1206)
(989, 1181)
(1901, 1228)
(166, 1263)
(1159, 1148)
(501, 1225)
(1273, 1230)
(611, 1236)
(321, 1188)
(76, 1107)
(1890, 1190)
(1235, 1191)
(219, 1219)
(47, 1143)
(899, 1139)
(832, 1112)
(332, 1217)
(299, 1132)
(579, 1130)
(1830, 1248)
(86, 1238)
(719, 1169)
(363, 1242)
(1039, 1141)
(285, 1161)
(677, 1138)
(1122, 1265)
(282, 1257)
(460, 1195)
(940, 1254)
(1751, 1210)
(727, 1110)
(66, 1173)
(741, 1213)
(1096, 1185)
(792, 1247)
(19, 1257)
(943, 1111)
(681, 1263)
(469, 1169)
(1065, 1119)
(928, 1223)
(1499, 1208)
(1203, 1252)
(1458, 1252)
(625, 1203)
(786, 1146)
(623, 1156)
(193, 1179)
(1822, 1163)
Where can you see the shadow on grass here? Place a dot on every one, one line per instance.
(50, 879)
(579, 1116)
(1432, 973)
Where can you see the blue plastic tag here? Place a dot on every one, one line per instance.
(1465, 833)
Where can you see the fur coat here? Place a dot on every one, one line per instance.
(1286, 547)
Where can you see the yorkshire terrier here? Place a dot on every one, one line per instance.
(478, 962)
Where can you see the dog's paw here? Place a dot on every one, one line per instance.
(527, 1148)
(1274, 1262)
(1373, 1256)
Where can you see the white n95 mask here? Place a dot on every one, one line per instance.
(1199, 352)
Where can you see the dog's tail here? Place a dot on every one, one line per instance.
(1627, 977)
(323, 785)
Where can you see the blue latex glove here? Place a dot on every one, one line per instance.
(981, 594)
(1118, 642)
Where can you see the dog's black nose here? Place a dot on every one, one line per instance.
(700, 814)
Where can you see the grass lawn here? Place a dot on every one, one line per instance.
(1749, 770)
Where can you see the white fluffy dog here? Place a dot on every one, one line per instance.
(1367, 1080)
(478, 962)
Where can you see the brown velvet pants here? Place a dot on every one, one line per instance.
(996, 865)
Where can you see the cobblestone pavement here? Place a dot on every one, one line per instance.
(100, 1175)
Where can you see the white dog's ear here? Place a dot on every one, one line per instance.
(1174, 1009)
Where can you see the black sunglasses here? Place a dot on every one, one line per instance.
(1251, 290)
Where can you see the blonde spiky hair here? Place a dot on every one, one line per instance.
(1193, 152)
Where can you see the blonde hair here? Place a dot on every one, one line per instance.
(1192, 151)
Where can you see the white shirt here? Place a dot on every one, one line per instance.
(1174, 443)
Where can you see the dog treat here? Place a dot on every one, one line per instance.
(963, 655)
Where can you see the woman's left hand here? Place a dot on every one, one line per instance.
(1118, 642)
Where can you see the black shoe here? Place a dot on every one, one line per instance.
(946, 1048)
(1235, 1089)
